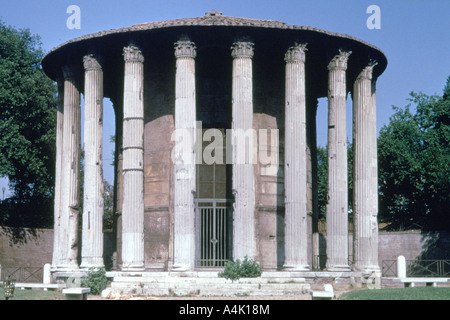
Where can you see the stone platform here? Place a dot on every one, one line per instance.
(208, 283)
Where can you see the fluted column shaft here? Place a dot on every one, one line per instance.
(295, 179)
(70, 172)
(92, 228)
(243, 176)
(365, 184)
(184, 164)
(133, 161)
(57, 247)
(337, 206)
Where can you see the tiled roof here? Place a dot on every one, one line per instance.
(212, 18)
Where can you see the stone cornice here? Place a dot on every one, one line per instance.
(185, 49)
(295, 53)
(339, 62)
(242, 49)
(132, 54)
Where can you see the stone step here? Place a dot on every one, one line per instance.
(207, 286)
(216, 280)
(159, 289)
(214, 274)
(208, 283)
(159, 274)
(231, 286)
(208, 292)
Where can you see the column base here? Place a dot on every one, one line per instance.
(367, 270)
(301, 267)
(65, 268)
(181, 268)
(133, 268)
(87, 266)
(338, 268)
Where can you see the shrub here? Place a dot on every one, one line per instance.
(96, 280)
(247, 268)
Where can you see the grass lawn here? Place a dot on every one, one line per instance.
(33, 295)
(416, 293)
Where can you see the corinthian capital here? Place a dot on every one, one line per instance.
(92, 61)
(185, 49)
(242, 49)
(295, 53)
(339, 61)
(366, 73)
(132, 54)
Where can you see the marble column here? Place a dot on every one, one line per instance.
(92, 228)
(244, 243)
(365, 175)
(57, 248)
(295, 178)
(70, 185)
(184, 162)
(337, 206)
(133, 161)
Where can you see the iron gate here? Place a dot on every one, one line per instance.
(214, 227)
(418, 268)
(22, 274)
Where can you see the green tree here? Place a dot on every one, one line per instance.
(414, 160)
(322, 182)
(322, 178)
(108, 201)
(27, 128)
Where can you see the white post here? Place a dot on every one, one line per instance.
(401, 267)
(47, 279)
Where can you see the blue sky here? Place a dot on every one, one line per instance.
(414, 35)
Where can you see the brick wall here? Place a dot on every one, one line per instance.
(25, 247)
(33, 247)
